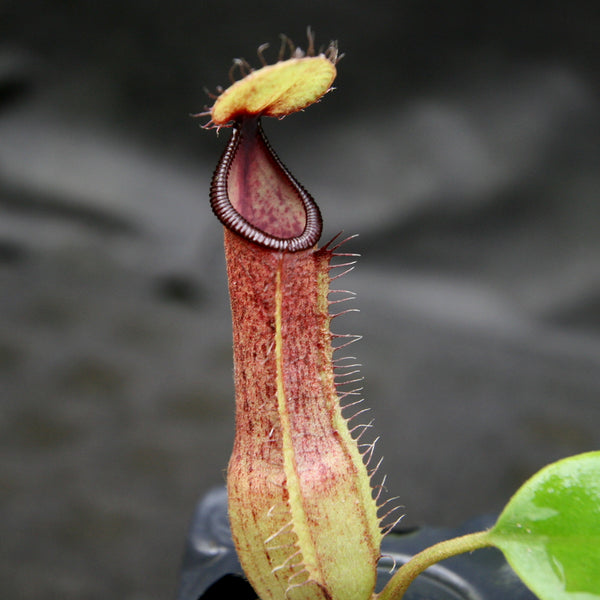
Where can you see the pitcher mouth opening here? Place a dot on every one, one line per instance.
(254, 195)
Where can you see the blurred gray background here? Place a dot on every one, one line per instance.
(461, 143)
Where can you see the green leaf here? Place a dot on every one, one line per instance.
(550, 530)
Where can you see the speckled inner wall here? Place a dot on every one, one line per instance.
(462, 143)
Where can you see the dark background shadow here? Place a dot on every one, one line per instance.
(462, 143)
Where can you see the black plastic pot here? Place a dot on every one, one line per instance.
(211, 570)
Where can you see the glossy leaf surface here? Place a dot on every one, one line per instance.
(550, 530)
